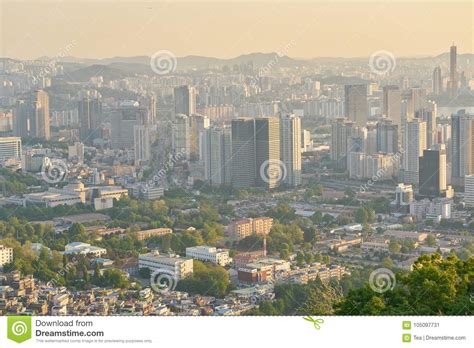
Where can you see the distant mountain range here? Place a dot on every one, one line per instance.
(258, 59)
(196, 62)
(84, 74)
(82, 69)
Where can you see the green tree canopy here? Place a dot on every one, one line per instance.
(436, 286)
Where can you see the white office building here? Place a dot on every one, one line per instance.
(216, 156)
(80, 248)
(10, 148)
(6, 255)
(197, 125)
(177, 266)
(414, 144)
(306, 141)
(141, 144)
(438, 208)
(403, 195)
(469, 190)
(53, 198)
(76, 151)
(290, 143)
(209, 254)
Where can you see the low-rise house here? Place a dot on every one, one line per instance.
(404, 235)
(155, 232)
(376, 245)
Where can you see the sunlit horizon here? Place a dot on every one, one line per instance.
(226, 30)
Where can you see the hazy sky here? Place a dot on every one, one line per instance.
(105, 28)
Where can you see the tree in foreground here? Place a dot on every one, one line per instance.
(436, 286)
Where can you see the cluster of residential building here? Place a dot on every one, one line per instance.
(27, 296)
(6, 255)
(209, 129)
(240, 229)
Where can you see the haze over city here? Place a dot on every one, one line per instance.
(300, 160)
(225, 29)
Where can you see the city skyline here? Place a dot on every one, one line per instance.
(136, 29)
(261, 185)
